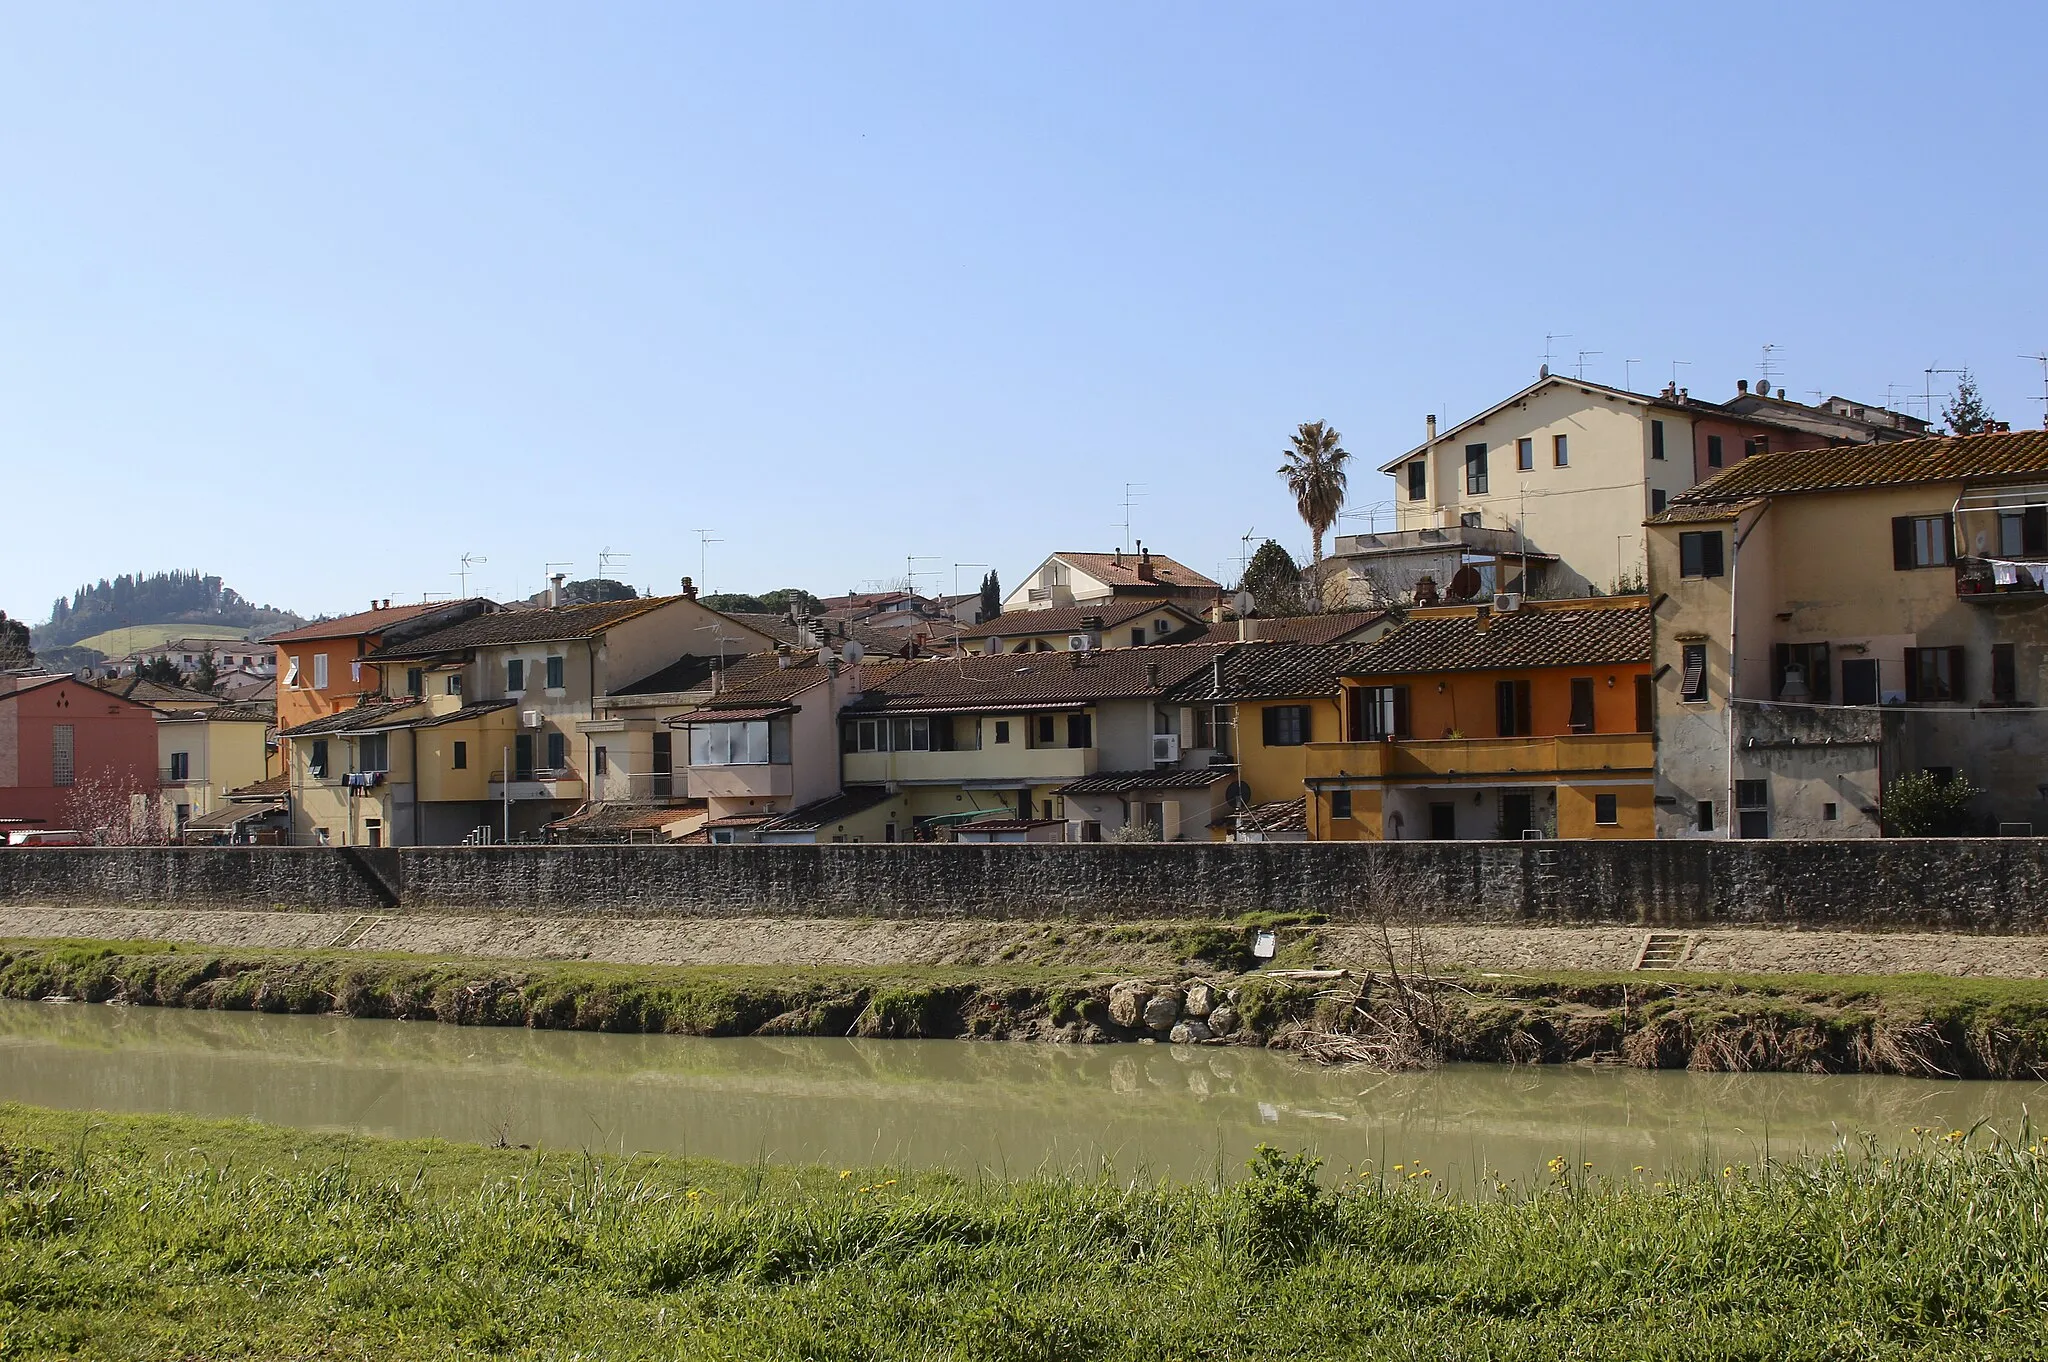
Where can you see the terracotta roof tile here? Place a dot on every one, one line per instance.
(1104, 567)
(1551, 634)
(2013, 454)
(356, 625)
(1267, 671)
(524, 626)
(1131, 782)
(991, 681)
(852, 800)
(1067, 619)
(1336, 627)
(389, 715)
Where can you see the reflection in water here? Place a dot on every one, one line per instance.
(1186, 1112)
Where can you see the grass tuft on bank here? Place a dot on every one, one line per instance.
(154, 1237)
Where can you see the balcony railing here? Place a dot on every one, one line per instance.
(756, 781)
(172, 775)
(1412, 758)
(637, 787)
(1977, 582)
(997, 762)
(540, 783)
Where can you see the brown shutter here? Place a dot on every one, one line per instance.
(2004, 675)
(1645, 704)
(1819, 673)
(1912, 673)
(2034, 531)
(1958, 687)
(1710, 546)
(1948, 539)
(1400, 712)
(1902, 542)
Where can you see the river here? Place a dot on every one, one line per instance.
(1008, 1108)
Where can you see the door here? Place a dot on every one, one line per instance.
(1515, 814)
(522, 757)
(1646, 692)
(1024, 804)
(664, 766)
(1859, 681)
(1443, 822)
(1582, 704)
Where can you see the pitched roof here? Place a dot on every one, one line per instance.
(1106, 568)
(363, 717)
(687, 673)
(1067, 619)
(548, 625)
(608, 816)
(247, 711)
(724, 713)
(152, 692)
(1132, 782)
(1336, 627)
(473, 710)
(1706, 512)
(1267, 671)
(1948, 458)
(278, 784)
(24, 684)
(233, 815)
(999, 680)
(852, 800)
(1541, 634)
(783, 629)
(356, 625)
(1275, 816)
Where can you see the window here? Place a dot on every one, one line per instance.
(600, 761)
(1656, 439)
(1525, 454)
(1560, 451)
(461, 755)
(1475, 469)
(1048, 730)
(1378, 712)
(1657, 501)
(1714, 458)
(1418, 480)
(63, 754)
(558, 751)
(1285, 725)
(515, 675)
(2004, 689)
(1756, 444)
(317, 765)
(1829, 813)
(1162, 626)
(1699, 553)
(415, 681)
(1703, 816)
(1933, 674)
(1692, 685)
(758, 742)
(1582, 704)
(455, 683)
(319, 671)
(1605, 812)
(555, 669)
(1920, 541)
(1340, 803)
(1809, 663)
(1511, 709)
(2023, 533)
(1752, 808)
(373, 752)
(1137, 638)
(1002, 730)
(1859, 681)
(323, 837)
(1646, 701)
(181, 766)
(1080, 730)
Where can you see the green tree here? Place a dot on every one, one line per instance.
(593, 590)
(1966, 413)
(1923, 804)
(991, 597)
(735, 602)
(1313, 465)
(1274, 580)
(162, 671)
(784, 599)
(206, 676)
(14, 643)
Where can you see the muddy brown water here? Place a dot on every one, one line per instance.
(1005, 1108)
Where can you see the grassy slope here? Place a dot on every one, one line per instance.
(125, 640)
(1915, 1024)
(158, 1237)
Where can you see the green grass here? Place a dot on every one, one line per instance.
(134, 637)
(172, 1238)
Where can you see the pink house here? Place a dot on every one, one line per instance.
(66, 749)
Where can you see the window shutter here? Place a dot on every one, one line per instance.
(1269, 725)
(1957, 689)
(1354, 712)
(1948, 539)
(1504, 708)
(1308, 723)
(1781, 658)
(1694, 684)
(1902, 549)
(1912, 671)
(1400, 711)
(1710, 546)
(1819, 680)
(2034, 531)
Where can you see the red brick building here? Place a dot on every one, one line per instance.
(67, 748)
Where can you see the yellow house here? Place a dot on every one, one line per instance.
(1471, 724)
(203, 753)
(400, 773)
(1257, 707)
(1830, 620)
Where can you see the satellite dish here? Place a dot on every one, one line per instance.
(995, 644)
(1238, 793)
(851, 652)
(1243, 603)
(1465, 583)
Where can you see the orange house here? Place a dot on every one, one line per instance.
(320, 667)
(1468, 724)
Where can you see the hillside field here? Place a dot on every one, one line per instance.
(120, 642)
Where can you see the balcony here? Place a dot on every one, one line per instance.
(173, 775)
(753, 781)
(1977, 583)
(542, 783)
(1005, 764)
(641, 787)
(1411, 760)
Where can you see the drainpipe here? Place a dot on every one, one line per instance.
(1732, 823)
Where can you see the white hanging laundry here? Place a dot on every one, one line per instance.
(2005, 574)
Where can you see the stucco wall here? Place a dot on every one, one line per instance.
(1979, 885)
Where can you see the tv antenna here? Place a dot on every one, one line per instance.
(1582, 359)
(1549, 344)
(1133, 491)
(1244, 555)
(704, 543)
(605, 559)
(2043, 398)
(911, 572)
(956, 573)
(469, 560)
(1770, 367)
(1927, 388)
(1628, 378)
(1674, 369)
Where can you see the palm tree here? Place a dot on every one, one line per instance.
(1314, 469)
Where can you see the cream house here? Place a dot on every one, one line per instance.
(1829, 620)
(205, 752)
(1068, 579)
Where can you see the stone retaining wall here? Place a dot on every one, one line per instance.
(1978, 885)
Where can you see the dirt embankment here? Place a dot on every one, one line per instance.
(1129, 947)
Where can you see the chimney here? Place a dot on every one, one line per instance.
(1152, 675)
(1144, 563)
(1119, 556)
(1741, 385)
(1429, 426)
(689, 589)
(373, 602)
(1484, 616)
(387, 602)
(555, 581)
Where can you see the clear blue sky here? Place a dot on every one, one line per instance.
(320, 297)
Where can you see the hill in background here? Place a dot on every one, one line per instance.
(119, 615)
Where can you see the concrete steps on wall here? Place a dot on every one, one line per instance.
(358, 927)
(1664, 950)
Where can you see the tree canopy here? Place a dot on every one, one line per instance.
(593, 590)
(1314, 466)
(1274, 580)
(156, 598)
(991, 597)
(14, 643)
(1966, 413)
(780, 601)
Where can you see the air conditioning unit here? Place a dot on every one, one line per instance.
(529, 718)
(1080, 643)
(1165, 748)
(1506, 602)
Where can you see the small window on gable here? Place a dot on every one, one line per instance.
(1525, 454)
(1699, 553)
(1475, 470)
(1418, 480)
(1561, 451)
(1714, 460)
(1656, 439)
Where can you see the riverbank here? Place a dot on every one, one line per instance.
(133, 1237)
(1914, 1025)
